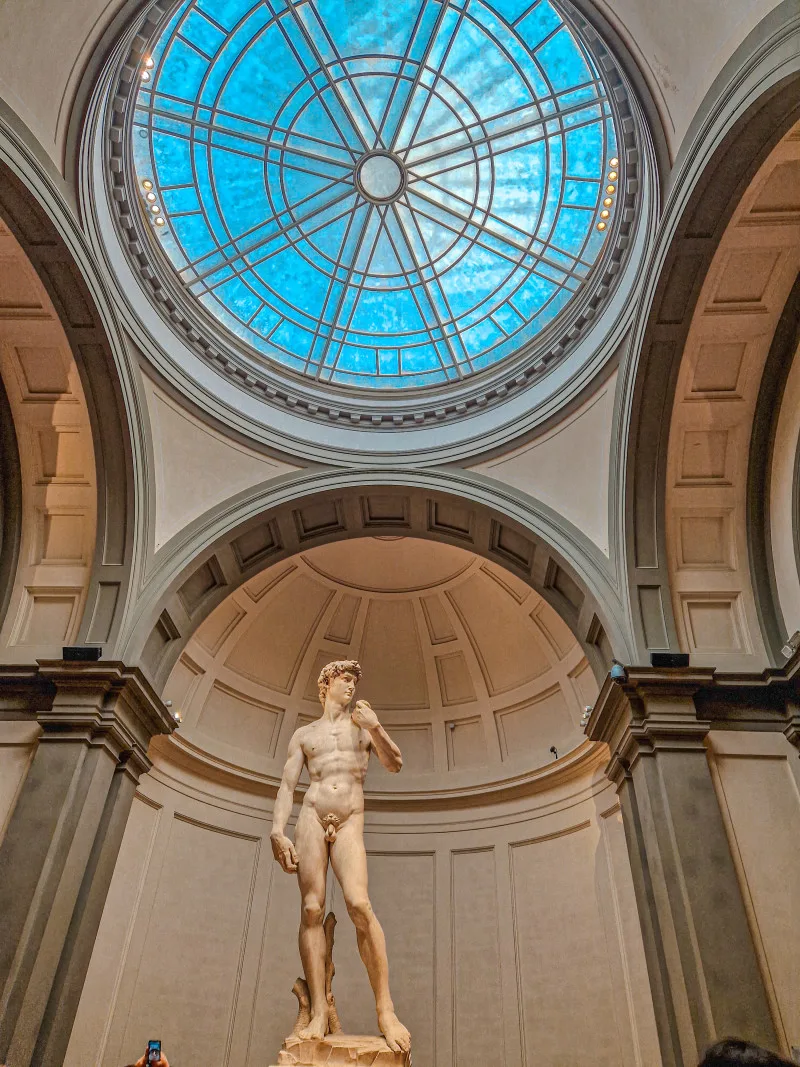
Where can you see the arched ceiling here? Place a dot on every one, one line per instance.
(743, 296)
(471, 671)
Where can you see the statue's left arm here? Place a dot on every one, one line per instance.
(385, 749)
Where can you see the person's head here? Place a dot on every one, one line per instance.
(340, 679)
(732, 1052)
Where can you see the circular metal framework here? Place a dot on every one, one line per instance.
(521, 365)
(390, 199)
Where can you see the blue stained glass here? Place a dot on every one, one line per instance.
(377, 193)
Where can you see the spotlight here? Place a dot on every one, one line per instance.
(792, 645)
(554, 750)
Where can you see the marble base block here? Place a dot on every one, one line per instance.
(341, 1050)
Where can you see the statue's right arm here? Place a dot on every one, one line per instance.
(282, 847)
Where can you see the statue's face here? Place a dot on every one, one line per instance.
(342, 688)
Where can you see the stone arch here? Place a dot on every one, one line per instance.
(64, 294)
(743, 122)
(549, 554)
(712, 458)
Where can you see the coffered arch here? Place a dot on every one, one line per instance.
(747, 114)
(710, 456)
(53, 286)
(257, 531)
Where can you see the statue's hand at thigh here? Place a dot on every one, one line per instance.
(282, 848)
(284, 852)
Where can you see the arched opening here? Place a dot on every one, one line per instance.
(552, 558)
(661, 341)
(65, 393)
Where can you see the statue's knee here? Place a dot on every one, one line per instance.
(360, 911)
(312, 912)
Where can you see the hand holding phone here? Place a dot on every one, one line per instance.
(153, 1052)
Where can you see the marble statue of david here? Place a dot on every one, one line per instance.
(336, 749)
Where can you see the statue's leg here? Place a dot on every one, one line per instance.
(349, 859)
(312, 866)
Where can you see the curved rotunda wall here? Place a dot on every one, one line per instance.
(500, 874)
(475, 673)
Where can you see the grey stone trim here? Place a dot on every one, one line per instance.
(302, 399)
(765, 422)
(748, 109)
(10, 502)
(215, 555)
(60, 848)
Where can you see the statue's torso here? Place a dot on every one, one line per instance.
(337, 755)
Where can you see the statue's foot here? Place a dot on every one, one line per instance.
(397, 1037)
(316, 1029)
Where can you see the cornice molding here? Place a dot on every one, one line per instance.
(102, 703)
(656, 709)
(582, 762)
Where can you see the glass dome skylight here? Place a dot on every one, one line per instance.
(371, 193)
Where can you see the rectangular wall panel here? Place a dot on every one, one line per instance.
(564, 980)
(478, 1003)
(766, 840)
(188, 976)
(402, 891)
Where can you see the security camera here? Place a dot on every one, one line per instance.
(618, 672)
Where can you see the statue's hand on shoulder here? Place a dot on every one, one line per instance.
(364, 716)
(284, 852)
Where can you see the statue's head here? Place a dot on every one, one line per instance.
(334, 670)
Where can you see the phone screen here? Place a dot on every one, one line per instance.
(153, 1052)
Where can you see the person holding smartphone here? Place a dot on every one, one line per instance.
(153, 1057)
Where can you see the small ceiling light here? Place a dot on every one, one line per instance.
(145, 75)
(613, 162)
(150, 63)
(151, 197)
(604, 214)
(610, 188)
(612, 175)
(608, 202)
(147, 184)
(601, 225)
(155, 208)
(160, 221)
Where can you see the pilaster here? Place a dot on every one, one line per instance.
(59, 851)
(703, 965)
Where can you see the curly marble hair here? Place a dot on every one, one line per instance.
(333, 670)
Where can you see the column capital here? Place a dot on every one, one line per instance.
(671, 708)
(649, 711)
(101, 703)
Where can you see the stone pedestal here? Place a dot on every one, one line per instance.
(341, 1050)
(62, 840)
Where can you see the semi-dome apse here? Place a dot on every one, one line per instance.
(371, 194)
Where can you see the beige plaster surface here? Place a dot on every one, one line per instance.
(680, 47)
(196, 466)
(763, 839)
(567, 467)
(509, 930)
